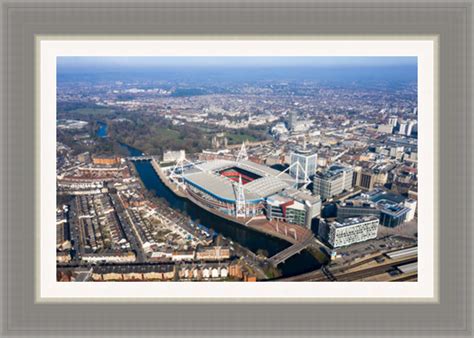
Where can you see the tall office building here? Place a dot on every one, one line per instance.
(403, 128)
(392, 120)
(292, 120)
(410, 127)
(410, 204)
(333, 182)
(307, 164)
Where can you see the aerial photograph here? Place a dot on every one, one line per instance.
(236, 169)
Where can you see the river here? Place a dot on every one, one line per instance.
(249, 238)
(102, 131)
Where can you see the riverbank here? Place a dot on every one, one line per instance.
(166, 181)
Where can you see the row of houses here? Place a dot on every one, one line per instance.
(211, 253)
(169, 273)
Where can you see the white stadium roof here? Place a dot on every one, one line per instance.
(205, 177)
(218, 186)
(266, 186)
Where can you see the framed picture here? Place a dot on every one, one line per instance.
(212, 168)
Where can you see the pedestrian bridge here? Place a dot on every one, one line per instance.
(140, 158)
(292, 250)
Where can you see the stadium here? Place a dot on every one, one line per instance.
(235, 188)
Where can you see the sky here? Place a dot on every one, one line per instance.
(242, 69)
(226, 61)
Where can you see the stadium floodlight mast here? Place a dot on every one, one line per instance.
(306, 181)
(240, 200)
(176, 174)
(242, 153)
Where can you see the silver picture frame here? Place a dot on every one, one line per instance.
(449, 22)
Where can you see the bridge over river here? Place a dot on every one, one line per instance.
(141, 158)
(296, 248)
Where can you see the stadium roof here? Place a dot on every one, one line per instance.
(218, 186)
(204, 177)
(266, 186)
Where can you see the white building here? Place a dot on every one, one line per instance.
(350, 231)
(403, 128)
(410, 204)
(392, 121)
(174, 156)
(410, 127)
(119, 257)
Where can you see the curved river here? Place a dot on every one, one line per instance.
(253, 240)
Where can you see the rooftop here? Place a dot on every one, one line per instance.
(207, 177)
(353, 221)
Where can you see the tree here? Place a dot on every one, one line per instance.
(262, 252)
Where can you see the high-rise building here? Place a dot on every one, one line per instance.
(410, 204)
(292, 120)
(410, 127)
(392, 120)
(303, 164)
(403, 128)
(333, 181)
(349, 230)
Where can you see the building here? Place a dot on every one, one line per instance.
(392, 209)
(385, 128)
(292, 120)
(333, 181)
(174, 156)
(412, 205)
(186, 255)
(293, 206)
(303, 164)
(392, 215)
(105, 160)
(410, 127)
(356, 208)
(213, 253)
(110, 257)
(402, 130)
(363, 178)
(349, 230)
(392, 121)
